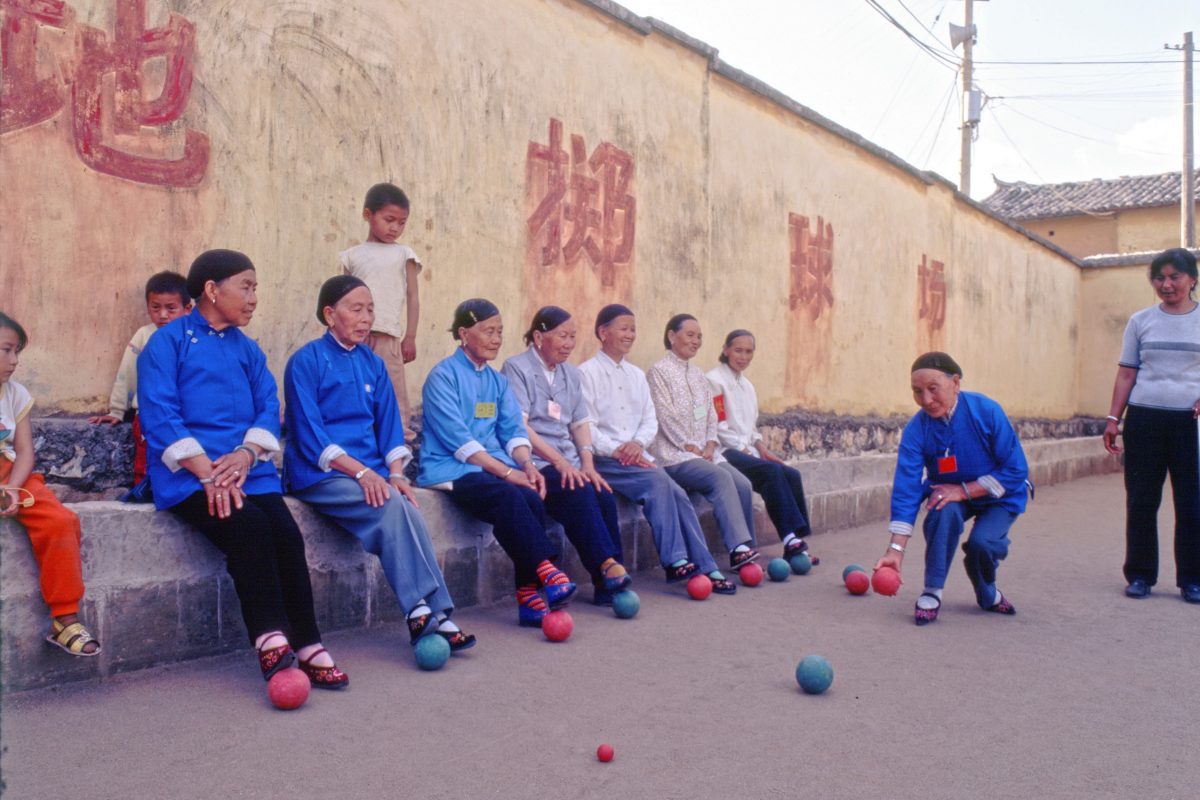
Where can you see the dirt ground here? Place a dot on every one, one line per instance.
(1084, 694)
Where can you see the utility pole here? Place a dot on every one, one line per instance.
(1187, 195)
(968, 128)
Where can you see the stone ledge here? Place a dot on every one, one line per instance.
(157, 592)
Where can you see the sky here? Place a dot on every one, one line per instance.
(1041, 123)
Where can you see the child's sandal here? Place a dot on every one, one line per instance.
(324, 677)
(72, 638)
(924, 616)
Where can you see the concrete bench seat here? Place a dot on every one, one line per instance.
(157, 591)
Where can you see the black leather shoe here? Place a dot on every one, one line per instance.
(1137, 588)
(1191, 593)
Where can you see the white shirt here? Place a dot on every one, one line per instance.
(15, 403)
(124, 390)
(618, 400)
(736, 403)
(384, 269)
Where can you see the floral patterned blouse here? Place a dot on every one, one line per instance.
(683, 403)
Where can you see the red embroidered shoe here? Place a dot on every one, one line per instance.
(324, 677)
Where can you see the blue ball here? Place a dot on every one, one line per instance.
(626, 604)
(814, 674)
(801, 563)
(852, 568)
(432, 652)
(778, 570)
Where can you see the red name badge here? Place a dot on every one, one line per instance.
(947, 464)
(719, 405)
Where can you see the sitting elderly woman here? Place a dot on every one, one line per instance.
(961, 457)
(550, 394)
(736, 403)
(346, 456)
(475, 448)
(686, 442)
(211, 420)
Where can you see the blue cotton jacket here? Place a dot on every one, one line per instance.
(467, 409)
(338, 402)
(984, 446)
(203, 391)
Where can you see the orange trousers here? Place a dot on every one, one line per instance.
(54, 534)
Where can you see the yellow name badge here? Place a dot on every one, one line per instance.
(485, 410)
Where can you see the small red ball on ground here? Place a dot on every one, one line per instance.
(604, 752)
(858, 582)
(699, 587)
(751, 574)
(557, 625)
(886, 581)
(288, 688)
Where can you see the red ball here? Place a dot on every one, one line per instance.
(604, 752)
(886, 581)
(751, 574)
(858, 582)
(557, 625)
(288, 688)
(699, 587)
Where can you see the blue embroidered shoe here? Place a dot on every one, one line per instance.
(559, 594)
(614, 585)
(530, 617)
(602, 597)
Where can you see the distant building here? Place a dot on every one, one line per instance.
(1133, 214)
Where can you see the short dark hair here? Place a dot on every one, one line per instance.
(1177, 257)
(733, 334)
(385, 194)
(673, 326)
(545, 320)
(167, 282)
(11, 324)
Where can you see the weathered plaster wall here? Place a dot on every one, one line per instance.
(1110, 296)
(1142, 229)
(1081, 236)
(553, 155)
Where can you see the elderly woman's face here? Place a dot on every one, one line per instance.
(686, 341)
(935, 391)
(351, 318)
(555, 346)
(618, 336)
(234, 299)
(482, 341)
(740, 353)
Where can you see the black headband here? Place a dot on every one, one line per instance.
(334, 290)
(938, 361)
(545, 320)
(215, 265)
(608, 314)
(471, 312)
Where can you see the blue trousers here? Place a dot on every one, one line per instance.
(985, 548)
(588, 517)
(781, 488)
(729, 492)
(516, 515)
(673, 523)
(395, 532)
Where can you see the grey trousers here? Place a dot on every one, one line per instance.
(729, 492)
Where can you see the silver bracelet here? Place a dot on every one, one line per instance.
(249, 450)
(896, 547)
(205, 481)
(397, 476)
(1114, 419)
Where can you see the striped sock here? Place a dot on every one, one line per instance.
(551, 575)
(528, 596)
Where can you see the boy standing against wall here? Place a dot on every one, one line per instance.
(166, 300)
(390, 271)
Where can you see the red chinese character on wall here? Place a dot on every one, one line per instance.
(585, 205)
(811, 261)
(120, 143)
(931, 293)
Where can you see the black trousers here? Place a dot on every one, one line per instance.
(781, 488)
(589, 518)
(264, 553)
(1159, 442)
(517, 518)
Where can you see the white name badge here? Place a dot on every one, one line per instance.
(554, 409)
(700, 412)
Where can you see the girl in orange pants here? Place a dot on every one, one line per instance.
(53, 530)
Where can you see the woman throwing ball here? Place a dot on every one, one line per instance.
(960, 457)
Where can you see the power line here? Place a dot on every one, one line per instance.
(941, 123)
(946, 61)
(1079, 135)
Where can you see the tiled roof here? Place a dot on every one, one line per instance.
(1019, 200)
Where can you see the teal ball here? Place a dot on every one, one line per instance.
(801, 563)
(814, 674)
(778, 570)
(852, 568)
(432, 652)
(626, 604)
